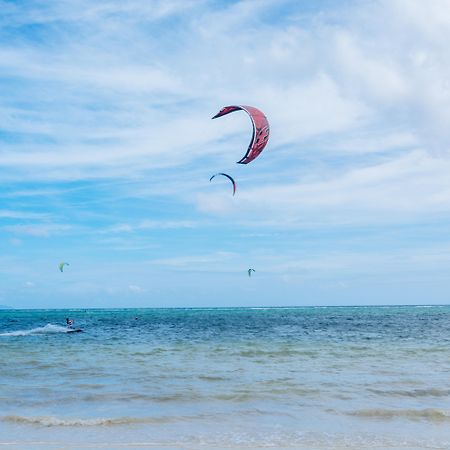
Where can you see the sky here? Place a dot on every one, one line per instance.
(107, 146)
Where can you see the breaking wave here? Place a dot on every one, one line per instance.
(432, 414)
(51, 421)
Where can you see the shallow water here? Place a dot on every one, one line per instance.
(336, 377)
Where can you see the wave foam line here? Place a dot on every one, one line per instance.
(432, 414)
(430, 392)
(48, 329)
(52, 421)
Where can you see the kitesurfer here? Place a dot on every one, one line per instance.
(69, 322)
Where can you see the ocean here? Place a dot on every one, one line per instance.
(226, 378)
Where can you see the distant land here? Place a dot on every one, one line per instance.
(5, 307)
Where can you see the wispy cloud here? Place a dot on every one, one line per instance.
(42, 230)
(149, 225)
(8, 214)
(207, 262)
(410, 187)
(311, 82)
(135, 289)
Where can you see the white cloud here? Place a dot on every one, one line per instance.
(311, 108)
(135, 289)
(85, 11)
(10, 214)
(38, 229)
(149, 225)
(205, 262)
(147, 103)
(413, 186)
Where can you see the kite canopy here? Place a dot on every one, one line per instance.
(62, 264)
(260, 130)
(228, 176)
(250, 272)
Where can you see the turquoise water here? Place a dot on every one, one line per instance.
(330, 377)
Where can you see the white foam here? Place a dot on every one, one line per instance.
(48, 329)
(52, 421)
(431, 414)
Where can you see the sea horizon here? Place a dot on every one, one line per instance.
(381, 305)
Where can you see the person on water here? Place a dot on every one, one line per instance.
(69, 322)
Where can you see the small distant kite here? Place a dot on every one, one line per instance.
(250, 272)
(228, 176)
(62, 264)
(261, 130)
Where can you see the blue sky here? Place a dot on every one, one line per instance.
(107, 146)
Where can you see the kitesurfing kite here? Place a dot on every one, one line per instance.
(260, 130)
(250, 272)
(228, 176)
(62, 264)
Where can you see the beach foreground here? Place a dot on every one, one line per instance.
(313, 378)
